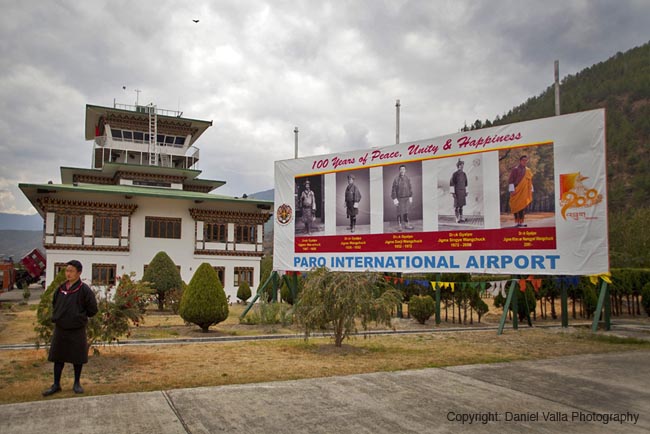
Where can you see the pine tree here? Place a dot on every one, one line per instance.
(204, 301)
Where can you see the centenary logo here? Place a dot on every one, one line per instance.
(574, 194)
(284, 214)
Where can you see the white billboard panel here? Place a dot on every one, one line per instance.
(522, 198)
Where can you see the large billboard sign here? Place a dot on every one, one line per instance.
(524, 198)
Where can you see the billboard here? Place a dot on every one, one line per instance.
(524, 198)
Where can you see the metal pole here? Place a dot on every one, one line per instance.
(397, 106)
(557, 88)
(295, 132)
(438, 290)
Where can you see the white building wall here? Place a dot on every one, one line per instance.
(144, 249)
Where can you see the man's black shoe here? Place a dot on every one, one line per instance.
(77, 388)
(52, 390)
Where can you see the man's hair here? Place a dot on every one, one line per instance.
(460, 162)
(402, 166)
(522, 157)
(76, 264)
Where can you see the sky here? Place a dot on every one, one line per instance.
(258, 69)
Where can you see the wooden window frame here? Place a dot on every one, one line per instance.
(103, 222)
(163, 227)
(245, 234)
(221, 272)
(69, 225)
(101, 274)
(244, 274)
(215, 232)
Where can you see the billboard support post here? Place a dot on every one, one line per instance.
(603, 301)
(506, 306)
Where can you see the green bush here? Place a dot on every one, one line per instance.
(421, 307)
(204, 301)
(44, 325)
(163, 276)
(117, 312)
(337, 299)
(244, 291)
(269, 314)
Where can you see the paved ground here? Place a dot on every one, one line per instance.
(592, 392)
(16, 295)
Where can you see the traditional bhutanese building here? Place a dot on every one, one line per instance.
(141, 196)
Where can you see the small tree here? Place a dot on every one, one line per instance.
(479, 306)
(337, 298)
(204, 301)
(113, 316)
(163, 276)
(116, 313)
(244, 291)
(590, 299)
(645, 298)
(173, 298)
(421, 307)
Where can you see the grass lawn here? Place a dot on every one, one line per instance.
(120, 369)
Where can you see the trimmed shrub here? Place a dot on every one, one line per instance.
(244, 291)
(163, 276)
(421, 307)
(204, 301)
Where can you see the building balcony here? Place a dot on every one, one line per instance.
(138, 153)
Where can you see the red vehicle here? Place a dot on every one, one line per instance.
(30, 269)
(7, 275)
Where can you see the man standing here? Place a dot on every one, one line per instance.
(458, 189)
(402, 195)
(352, 199)
(72, 304)
(308, 205)
(520, 186)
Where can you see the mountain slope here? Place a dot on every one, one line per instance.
(621, 85)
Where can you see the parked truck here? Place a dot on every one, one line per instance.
(30, 269)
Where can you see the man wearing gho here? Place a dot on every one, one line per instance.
(458, 189)
(352, 199)
(520, 186)
(402, 195)
(72, 304)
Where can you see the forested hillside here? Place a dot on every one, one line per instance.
(622, 86)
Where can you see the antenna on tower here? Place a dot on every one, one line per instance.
(137, 96)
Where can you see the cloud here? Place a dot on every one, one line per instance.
(259, 68)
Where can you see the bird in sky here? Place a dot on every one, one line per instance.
(196, 21)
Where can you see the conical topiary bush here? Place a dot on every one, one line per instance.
(244, 291)
(163, 276)
(204, 301)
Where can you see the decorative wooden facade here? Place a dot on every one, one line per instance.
(116, 216)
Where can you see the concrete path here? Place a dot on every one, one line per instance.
(577, 394)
